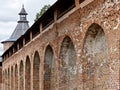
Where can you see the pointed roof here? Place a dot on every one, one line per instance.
(23, 12)
(21, 27)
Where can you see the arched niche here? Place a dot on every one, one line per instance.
(49, 66)
(27, 74)
(4, 79)
(8, 79)
(67, 65)
(96, 61)
(12, 79)
(21, 75)
(36, 69)
(16, 77)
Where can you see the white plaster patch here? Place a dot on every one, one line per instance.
(79, 51)
(78, 55)
(109, 4)
(101, 64)
(89, 59)
(73, 70)
(81, 27)
(106, 24)
(113, 49)
(118, 23)
(80, 69)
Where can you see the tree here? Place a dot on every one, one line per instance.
(42, 11)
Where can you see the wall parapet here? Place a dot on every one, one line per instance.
(53, 14)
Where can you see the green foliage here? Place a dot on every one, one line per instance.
(42, 11)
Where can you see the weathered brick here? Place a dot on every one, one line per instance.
(79, 51)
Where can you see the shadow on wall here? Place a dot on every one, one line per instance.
(0, 63)
(0, 59)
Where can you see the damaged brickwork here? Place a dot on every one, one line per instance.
(79, 51)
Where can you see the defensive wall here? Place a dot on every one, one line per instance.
(75, 45)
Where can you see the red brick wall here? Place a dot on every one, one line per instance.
(75, 25)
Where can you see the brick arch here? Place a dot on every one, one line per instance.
(95, 25)
(36, 70)
(21, 76)
(12, 77)
(49, 67)
(96, 61)
(27, 74)
(67, 36)
(16, 77)
(92, 30)
(98, 24)
(67, 65)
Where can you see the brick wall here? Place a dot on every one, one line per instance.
(84, 51)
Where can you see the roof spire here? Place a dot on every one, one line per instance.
(22, 5)
(23, 12)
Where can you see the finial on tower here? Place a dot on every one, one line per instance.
(22, 5)
(23, 12)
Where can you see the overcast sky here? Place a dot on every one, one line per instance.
(9, 10)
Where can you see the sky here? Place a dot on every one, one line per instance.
(9, 10)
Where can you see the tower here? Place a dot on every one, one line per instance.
(21, 28)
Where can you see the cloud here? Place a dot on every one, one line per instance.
(6, 29)
(1, 49)
(10, 8)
